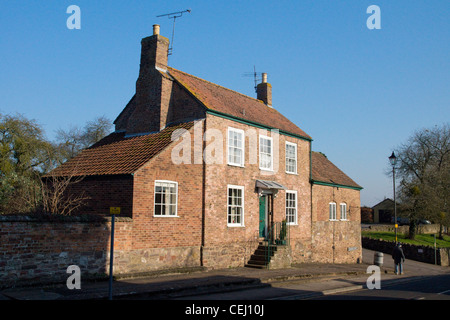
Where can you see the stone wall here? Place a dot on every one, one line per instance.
(336, 241)
(421, 228)
(417, 253)
(39, 249)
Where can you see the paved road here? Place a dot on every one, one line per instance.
(422, 288)
(420, 281)
(300, 282)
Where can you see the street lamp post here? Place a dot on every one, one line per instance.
(393, 161)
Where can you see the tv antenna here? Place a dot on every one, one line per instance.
(174, 16)
(257, 76)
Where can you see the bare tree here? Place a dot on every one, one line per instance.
(424, 170)
(72, 141)
(56, 195)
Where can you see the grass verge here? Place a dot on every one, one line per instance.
(420, 240)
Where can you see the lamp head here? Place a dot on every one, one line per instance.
(393, 159)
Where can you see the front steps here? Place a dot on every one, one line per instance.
(280, 257)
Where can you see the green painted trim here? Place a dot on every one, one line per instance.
(310, 161)
(254, 124)
(328, 184)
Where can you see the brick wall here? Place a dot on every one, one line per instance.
(336, 241)
(167, 242)
(104, 192)
(181, 107)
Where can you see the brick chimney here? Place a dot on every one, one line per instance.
(150, 111)
(264, 91)
(154, 51)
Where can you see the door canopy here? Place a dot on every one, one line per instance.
(268, 187)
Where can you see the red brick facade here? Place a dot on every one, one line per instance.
(203, 212)
(219, 176)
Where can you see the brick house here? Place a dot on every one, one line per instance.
(205, 173)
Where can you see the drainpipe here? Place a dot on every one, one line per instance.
(203, 194)
(311, 200)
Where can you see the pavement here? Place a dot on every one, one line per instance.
(320, 279)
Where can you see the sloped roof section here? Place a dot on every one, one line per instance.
(235, 104)
(324, 171)
(117, 154)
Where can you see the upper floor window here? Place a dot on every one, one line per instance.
(332, 210)
(166, 194)
(265, 153)
(291, 157)
(236, 147)
(343, 211)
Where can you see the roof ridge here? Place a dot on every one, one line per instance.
(228, 102)
(218, 85)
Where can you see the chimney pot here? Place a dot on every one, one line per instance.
(264, 77)
(156, 29)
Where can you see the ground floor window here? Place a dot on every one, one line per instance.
(291, 207)
(235, 216)
(166, 194)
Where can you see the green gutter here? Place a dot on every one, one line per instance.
(310, 161)
(329, 184)
(254, 124)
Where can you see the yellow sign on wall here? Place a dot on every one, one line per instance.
(114, 210)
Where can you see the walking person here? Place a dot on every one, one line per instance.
(399, 258)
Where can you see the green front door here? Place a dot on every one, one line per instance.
(262, 216)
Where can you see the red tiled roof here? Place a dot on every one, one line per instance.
(235, 104)
(323, 170)
(116, 154)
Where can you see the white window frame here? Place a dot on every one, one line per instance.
(176, 200)
(286, 157)
(294, 192)
(262, 137)
(242, 148)
(241, 223)
(332, 211)
(343, 212)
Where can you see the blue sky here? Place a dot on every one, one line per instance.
(358, 92)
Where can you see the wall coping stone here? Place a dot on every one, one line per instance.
(54, 218)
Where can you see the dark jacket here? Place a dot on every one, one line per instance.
(398, 255)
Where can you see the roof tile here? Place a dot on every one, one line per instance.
(323, 170)
(117, 154)
(221, 99)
